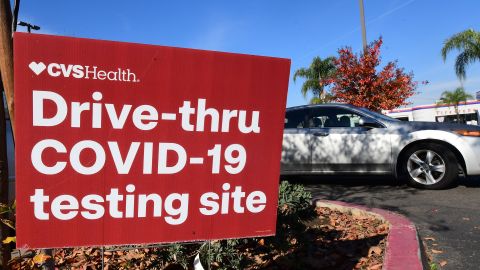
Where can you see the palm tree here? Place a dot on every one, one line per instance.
(319, 70)
(468, 43)
(322, 98)
(454, 98)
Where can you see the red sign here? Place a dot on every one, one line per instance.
(120, 143)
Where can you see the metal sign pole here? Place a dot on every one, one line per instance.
(103, 260)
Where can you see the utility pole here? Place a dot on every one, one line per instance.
(362, 22)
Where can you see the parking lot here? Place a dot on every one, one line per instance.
(448, 220)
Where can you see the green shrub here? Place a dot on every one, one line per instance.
(223, 255)
(294, 209)
(174, 254)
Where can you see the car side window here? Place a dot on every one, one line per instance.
(296, 119)
(331, 117)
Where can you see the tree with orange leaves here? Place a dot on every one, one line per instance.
(360, 81)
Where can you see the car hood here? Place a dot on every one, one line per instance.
(414, 126)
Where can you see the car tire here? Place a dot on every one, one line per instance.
(429, 166)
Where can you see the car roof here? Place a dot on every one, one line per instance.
(321, 105)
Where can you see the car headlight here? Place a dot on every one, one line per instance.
(468, 133)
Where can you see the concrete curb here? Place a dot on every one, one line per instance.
(403, 250)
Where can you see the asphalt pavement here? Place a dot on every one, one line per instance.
(448, 220)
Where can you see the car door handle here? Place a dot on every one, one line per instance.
(320, 134)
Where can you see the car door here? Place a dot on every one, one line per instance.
(296, 152)
(340, 144)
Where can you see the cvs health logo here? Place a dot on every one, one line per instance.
(83, 72)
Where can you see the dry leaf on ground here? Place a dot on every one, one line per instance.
(40, 258)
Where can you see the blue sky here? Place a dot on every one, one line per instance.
(413, 30)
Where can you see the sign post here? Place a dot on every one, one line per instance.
(121, 143)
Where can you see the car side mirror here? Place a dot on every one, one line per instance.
(368, 123)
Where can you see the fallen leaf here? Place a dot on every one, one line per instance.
(443, 263)
(375, 267)
(466, 218)
(41, 258)
(435, 251)
(9, 240)
(8, 222)
(258, 259)
(429, 238)
(383, 227)
(375, 250)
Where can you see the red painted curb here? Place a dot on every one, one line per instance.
(403, 250)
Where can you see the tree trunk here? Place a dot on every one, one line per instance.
(6, 74)
(6, 56)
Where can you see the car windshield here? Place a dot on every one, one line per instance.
(378, 115)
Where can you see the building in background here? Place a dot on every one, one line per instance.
(477, 96)
(469, 113)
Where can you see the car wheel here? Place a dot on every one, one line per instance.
(430, 166)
